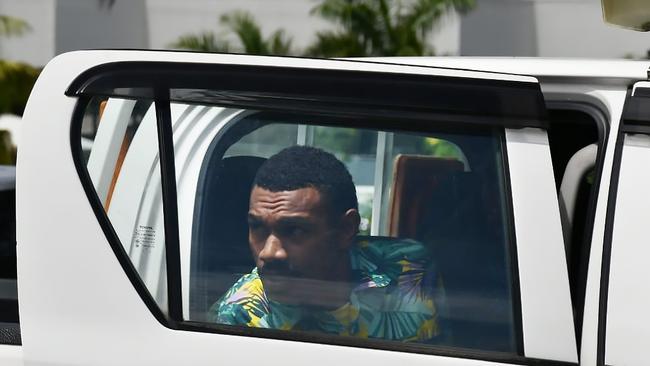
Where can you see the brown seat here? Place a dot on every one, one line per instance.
(450, 211)
(419, 184)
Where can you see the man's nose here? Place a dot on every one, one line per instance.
(272, 250)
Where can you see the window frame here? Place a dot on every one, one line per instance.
(230, 135)
(594, 109)
(635, 119)
(158, 79)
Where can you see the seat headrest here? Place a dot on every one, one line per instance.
(417, 180)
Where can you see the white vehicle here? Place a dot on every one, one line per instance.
(525, 177)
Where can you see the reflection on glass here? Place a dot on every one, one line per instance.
(283, 235)
(265, 141)
(120, 146)
(357, 149)
(313, 272)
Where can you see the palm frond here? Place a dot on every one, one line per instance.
(423, 14)
(248, 32)
(381, 27)
(279, 43)
(205, 42)
(337, 11)
(16, 82)
(11, 26)
(333, 44)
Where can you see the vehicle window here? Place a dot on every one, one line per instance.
(426, 260)
(119, 143)
(297, 211)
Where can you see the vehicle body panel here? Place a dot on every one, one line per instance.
(76, 300)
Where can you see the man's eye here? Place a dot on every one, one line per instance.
(297, 231)
(255, 226)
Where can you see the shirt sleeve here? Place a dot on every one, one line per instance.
(243, 304)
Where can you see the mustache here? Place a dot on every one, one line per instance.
(278, 269)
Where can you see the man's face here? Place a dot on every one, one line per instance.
(296, 242)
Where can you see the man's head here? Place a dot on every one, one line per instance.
(303, 217)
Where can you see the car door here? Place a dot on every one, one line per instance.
(151, 158)
(623, 323)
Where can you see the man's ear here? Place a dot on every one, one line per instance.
(349, 227)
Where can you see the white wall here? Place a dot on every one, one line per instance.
(446, 37)
(63, 25)
(83, 24)
(548, 28)
(37, 46)
(576, 28)
(500, 28)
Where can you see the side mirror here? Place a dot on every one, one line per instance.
(633, 14)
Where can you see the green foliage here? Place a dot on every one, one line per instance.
(204, 42)
(440, 148)
(381, 27)
(10, 26)
(279, 43)
(248, 33)
(7, 151)
(16, 82)
(345, 141)
(16, 79)
(364, 28)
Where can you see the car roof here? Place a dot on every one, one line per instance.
(583, 70)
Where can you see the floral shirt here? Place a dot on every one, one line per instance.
(395, 297)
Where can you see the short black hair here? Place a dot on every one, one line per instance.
(299, 167)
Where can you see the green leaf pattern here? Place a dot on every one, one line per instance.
(393, 299)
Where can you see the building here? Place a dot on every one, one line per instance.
(59, 26)
(549, 28)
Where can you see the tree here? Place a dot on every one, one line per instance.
(16, 82)
(16, 78)
(10, 26)
(248, 32)
(204, 42)
(381, 27)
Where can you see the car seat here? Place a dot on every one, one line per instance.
(437, 203)
(220, 251)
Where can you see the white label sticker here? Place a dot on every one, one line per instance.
(145, 237)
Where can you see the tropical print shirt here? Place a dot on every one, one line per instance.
(395, 297)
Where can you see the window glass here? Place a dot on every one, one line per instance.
(265, 141)
(356, 148)
(119, 142)
(301, 225)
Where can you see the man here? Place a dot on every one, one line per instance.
(312, 271)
